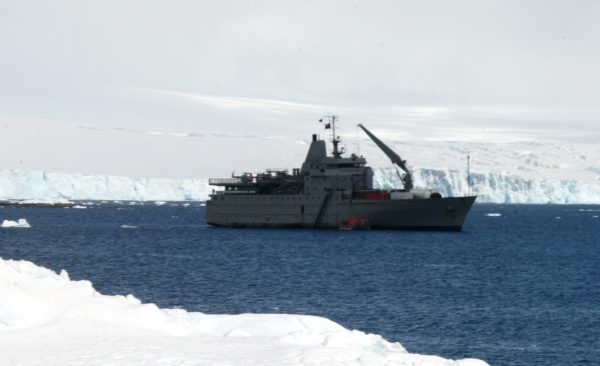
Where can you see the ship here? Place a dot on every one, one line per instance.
(332, 191)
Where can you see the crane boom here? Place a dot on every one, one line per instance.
(395, 158)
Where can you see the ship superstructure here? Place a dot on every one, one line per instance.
(332, 191)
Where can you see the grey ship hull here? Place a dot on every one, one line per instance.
(299, 210)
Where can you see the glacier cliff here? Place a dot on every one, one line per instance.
(493, 187)
(42, 185)
(489, 186)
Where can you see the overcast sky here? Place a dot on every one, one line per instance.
(472, 70)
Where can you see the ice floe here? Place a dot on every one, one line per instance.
(20, 223)
(493, 214)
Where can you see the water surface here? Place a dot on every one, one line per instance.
(517, 289)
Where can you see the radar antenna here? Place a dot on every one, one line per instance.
(395, 158)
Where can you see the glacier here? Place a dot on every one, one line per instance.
(491, 187)
(51, 186)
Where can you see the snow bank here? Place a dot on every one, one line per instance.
(46, 318)
(19, 223)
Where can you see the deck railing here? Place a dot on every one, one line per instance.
(223, 181)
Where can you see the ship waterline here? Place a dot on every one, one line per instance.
(293, 211)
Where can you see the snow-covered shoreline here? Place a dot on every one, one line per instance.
(46, 318)
(490, 187)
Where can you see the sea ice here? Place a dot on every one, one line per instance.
(19, 223)
(49, 319)
(493, 214)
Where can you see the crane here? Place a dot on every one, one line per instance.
(395, 158)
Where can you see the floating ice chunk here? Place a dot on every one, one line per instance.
(493, 214)
(22, 223)
(159, 203)
(79, 206)
(128, 227)
(557, 217)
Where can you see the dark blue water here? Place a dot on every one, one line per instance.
(520, 289)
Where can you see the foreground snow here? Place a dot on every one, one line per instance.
(47, 319)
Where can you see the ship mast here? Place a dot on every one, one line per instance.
(337, 152)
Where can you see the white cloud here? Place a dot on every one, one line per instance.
(434, 69)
